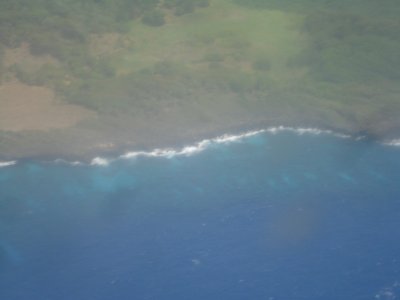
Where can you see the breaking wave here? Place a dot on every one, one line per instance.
(204, 144)
(395, 143)
(4, 164)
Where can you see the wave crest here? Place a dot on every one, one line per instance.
(100, 161)
(306, 130)
(4, 164)
(203, 145)
(206, 143)
(193, 149)
(394, 143)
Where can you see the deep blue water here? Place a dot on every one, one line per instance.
(271, 217)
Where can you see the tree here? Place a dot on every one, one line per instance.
(154, 18)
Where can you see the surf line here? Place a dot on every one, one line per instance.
(171, 152)
(204, 144)
(394, 143)
(4, 164)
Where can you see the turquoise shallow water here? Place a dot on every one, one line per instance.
(282, 216)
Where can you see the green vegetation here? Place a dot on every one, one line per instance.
(64, 30)
(334, 59)
(154, 18)
(347, 47)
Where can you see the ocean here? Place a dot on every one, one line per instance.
(276, 214)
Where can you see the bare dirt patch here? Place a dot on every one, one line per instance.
(24, 107)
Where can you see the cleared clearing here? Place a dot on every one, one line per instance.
(24, 107)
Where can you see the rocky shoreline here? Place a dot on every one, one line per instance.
(79, 144)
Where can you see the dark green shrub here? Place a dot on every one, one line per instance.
(184, 7)
(202, 3)
(170, 3)
(154, 18)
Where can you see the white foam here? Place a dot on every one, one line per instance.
(167, 153)
(395, 143)
(200, 146)
(67, 162)
(226, 138)
(206, 143)
(191, 149)
(100, 161)
(4, 164)
(305, 130)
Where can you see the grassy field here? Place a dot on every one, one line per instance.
(224, 32)
(217, 50)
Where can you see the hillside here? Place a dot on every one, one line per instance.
(148, 73)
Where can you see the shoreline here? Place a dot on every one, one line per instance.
(186, 147)
(85, 150)
(148, 87)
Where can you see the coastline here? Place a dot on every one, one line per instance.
(114, 135)
(186, 147)
(81, 146)
(149, 95)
